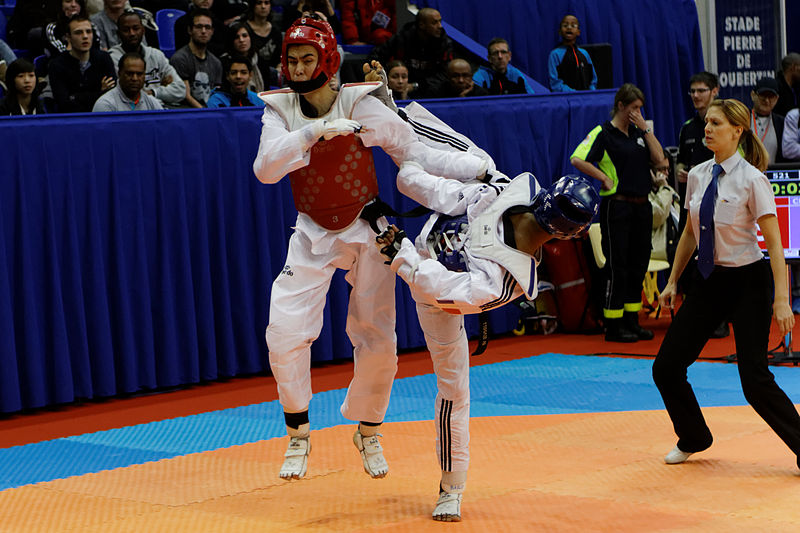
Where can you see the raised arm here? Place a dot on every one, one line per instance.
(384, 128)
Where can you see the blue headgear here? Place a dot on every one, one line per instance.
(566, 207)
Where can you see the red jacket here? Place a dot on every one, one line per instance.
(357, 20)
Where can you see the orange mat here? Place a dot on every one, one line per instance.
(561, 473)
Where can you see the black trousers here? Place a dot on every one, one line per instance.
(626, 228)
(744, 296)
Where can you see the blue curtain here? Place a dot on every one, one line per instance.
(655, 45)
(137, 251)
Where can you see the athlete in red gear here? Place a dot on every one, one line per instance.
(321, 138)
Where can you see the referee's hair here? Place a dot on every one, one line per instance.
(738, 114)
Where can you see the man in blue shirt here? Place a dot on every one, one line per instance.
(570, 68)
(502, 78)
(234, 91)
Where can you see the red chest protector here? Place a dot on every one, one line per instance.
(338, 182)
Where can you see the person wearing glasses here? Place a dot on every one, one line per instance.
(502, 77)
(570, 68)
(200, 70)
(727, 197)
(764, 122)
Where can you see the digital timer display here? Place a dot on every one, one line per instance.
(786, 187)
(785, 182)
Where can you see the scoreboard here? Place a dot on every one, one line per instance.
(786, 186)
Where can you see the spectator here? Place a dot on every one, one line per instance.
(623, 149)
(182, 28)
(266, 39)
(161, 79)
(128, 95)
(457, 82)
(788, 84)
(240, 43)
(765, 124)
(791, 136)
(664, 201)
(80, 75)
(93, 7)
(6, 53)
(501, 78)
(25, 29)
(200, 70)
(422, 45)
(56, 32)
(397, 81)
(703, 89)
(368, 21)
(21, 96)
(570, 67)
(322, 8)
(229, 11)
(234, 91)
(106, 22)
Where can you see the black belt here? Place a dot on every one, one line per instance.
(378, 208)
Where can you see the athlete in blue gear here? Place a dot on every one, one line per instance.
(478, 251)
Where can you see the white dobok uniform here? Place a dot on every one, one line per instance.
(493, 275)
(329, 234)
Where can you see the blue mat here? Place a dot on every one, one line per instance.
(545, 384)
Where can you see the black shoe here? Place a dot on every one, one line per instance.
(616, 331)
(722, 331)
(632, 323)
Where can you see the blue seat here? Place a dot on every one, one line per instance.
(165, 19)
(40, 65)
(6, 9)
(2, 26)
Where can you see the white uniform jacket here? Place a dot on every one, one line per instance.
(496, 273)
(285, 145)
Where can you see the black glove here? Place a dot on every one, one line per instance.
(389, 251)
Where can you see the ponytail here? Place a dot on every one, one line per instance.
(754, 151)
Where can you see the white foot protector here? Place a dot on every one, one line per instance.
(676, 456)
(448, 507)
(295, 460)
(371, 454)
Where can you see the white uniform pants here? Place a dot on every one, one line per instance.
(447, 343)
(295, 321)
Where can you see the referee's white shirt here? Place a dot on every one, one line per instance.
(744, 195)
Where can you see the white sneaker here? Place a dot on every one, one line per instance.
(371, 454)
(296, 458)
(448, 507)
(676, 456)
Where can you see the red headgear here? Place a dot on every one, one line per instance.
(317, 33)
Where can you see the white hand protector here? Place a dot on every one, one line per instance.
(340, 126)
(327, 130)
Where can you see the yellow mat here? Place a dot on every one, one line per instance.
(559, 473)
